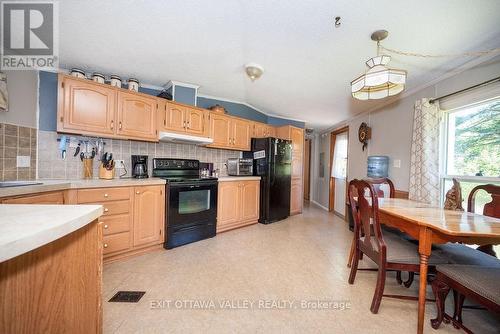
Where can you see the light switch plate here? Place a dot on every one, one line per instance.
(23, 161)
(396, 163)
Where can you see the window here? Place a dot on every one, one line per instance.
(472, 148)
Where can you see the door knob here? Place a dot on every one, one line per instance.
(106, 209)
(137, 192)
(105, 195)
(105, 245)
(105, 226)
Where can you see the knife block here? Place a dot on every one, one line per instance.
(105, 173)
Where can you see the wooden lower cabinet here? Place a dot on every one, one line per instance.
(149, 217)
(55, 288)
(238, 204)
(53, 197)
(133, 219)
(296, 201)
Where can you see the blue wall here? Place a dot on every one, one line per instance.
(185, 95)
(276, 121)
(48, 104)
(235, 109)
(48, 101)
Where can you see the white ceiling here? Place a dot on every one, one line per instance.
(308, 63)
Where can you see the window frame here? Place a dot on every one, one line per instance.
(443, 155)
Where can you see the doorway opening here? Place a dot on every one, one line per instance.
(338, 171)
(307, 169)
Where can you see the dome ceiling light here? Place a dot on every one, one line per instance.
(379, 81)
(254, 71)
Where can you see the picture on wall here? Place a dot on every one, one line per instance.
(4, 96)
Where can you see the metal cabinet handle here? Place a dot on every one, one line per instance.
(112, 125)
(120, 125)
(106, 209)
(184, 124)
(137, 192)
(105, 226)
(105, 245)
(106, 195)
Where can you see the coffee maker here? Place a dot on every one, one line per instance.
(140, 166)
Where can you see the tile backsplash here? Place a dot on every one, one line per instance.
(17, 141)
(52, 166)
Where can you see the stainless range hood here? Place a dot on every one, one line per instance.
(184, 139)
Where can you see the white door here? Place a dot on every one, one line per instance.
(339, 173)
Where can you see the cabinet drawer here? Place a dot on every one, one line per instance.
(115, 208)
(46, 198)
(103, 194)
(115, 224)
(116, 242)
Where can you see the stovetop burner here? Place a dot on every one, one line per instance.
(178, 170)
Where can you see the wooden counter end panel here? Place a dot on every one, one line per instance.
(55, 288)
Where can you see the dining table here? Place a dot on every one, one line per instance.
(433, 225)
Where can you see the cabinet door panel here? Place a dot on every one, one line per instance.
(149, 203)
(220, 130)
(175, 118)
(86, 107)
(228, 204)
(296, 196)
(259, 130)
(270, 131)
(137, 116)
(241, 134)
(195, 121)
(250, 194)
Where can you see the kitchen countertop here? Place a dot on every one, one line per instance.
(54, 185)
(27, 227)
(238, 178)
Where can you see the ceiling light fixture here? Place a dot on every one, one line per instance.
(379, 81)
(254, 71)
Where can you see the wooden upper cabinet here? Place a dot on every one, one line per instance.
(261, 130)
(196, 121)
(270, 131)
(220, 130)
(174, 118)
(149, 215)
(241, 134)
(136, 116)
(85, 107)
(297, 137)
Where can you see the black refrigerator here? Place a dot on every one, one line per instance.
(273, 163)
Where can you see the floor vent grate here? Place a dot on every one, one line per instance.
(127, 296)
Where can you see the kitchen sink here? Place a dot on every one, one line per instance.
(18, 183)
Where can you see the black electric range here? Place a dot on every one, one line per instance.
(191, 201)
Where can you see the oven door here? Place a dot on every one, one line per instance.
(192, 203)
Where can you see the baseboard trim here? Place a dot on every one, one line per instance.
(317, 204)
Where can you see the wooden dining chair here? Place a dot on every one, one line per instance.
(389, 251)
(491, 209)
(378, 186)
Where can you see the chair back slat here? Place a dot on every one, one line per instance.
(379, 183)
(491, 209)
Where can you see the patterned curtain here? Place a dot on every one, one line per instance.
(424, 160)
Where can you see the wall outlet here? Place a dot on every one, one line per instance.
(23, 161)
(119, 163)
(396, 163)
